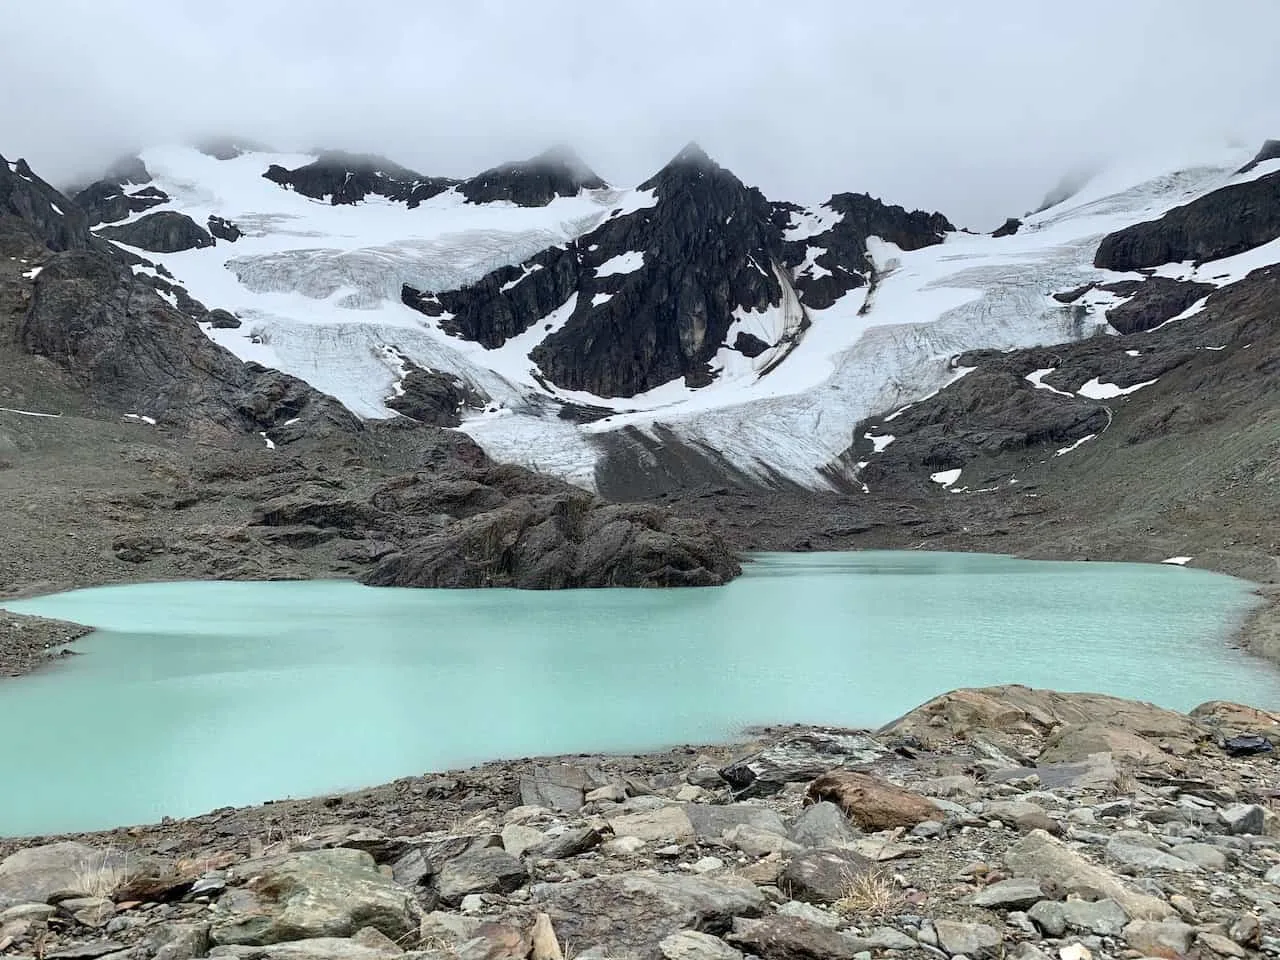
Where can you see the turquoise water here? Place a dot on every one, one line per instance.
(196, 695)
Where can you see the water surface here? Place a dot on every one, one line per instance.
(196, 695)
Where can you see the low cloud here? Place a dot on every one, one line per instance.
(976, 109)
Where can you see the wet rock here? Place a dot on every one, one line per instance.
(692, 945)
(1016, 893)
(323, 893)
(970, 939)
(823, 876)
(1167, 938)
(1041, 856)
(873, 804)
(823, 824)
(484, 870)
(791, 938)
(797, 759)
(631, 914)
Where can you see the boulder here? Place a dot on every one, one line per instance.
(958, 937)
(873, 804)
(630, 914)
(1106, 918)
(1246, 818)
(663, 824)
(823, 876)
(572, 842)
(791, 938)
(711, 821)
(692, 945)
(797, 759)
(483, 870)
(315, 948)
(556, 786)
(321, 893)
(1016, 893)
(1165, 938)
(34, 874)
(223, 229)
(1040, 856)
(823, 824)
(1141, 857)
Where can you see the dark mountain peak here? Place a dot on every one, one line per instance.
(109, 199)
(347, 178)
(688, 166)
(40, 212)
(692, 155)
(1270, 150)
(557, 172)
(128, 169)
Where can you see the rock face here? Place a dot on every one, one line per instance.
(1227, 221)
(674, 281)
(435, 398)
(347, 178)
(535, 182)
(166, 231)
(45, 213)
(1152, 301)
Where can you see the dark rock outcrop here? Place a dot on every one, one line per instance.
(165, 231)
(844, 260)
(1270, 150)
(535, 182)
(433, 397)
(1152, 301)
(1008, 228)
(228, 148)
(347, 178)
(224, 229)
(108, 202)
(549, 535)
(222, 320)
(42, 211)
(1227, 221)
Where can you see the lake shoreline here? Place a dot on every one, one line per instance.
(29, 643)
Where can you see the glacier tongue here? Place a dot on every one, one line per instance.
(318, 288)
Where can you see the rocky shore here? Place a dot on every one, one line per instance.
(1001, 822)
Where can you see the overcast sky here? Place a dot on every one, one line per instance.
(975, 108)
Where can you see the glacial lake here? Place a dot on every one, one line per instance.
(196, 695)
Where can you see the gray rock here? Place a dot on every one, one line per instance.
(569, 844)
(1140, 857)
(756, 842)
(710, 821)
(1105, 917)
(663, 824)
(557, 786)
(316, 948)
(33, 874)
(1203, 855)
(809, 912)
(87, 951)
(1159, 938)
(790, 938)
(323, 893)
(28, 911)
(883, 938)
(1245, 818)
(692, 945)
(179, 941)
(823, 876)
(630, 914)
(1014, 894)
(823, 825)
(484, 870)
(1222, 946)
(517, 838)
(89, 911)
(1041, 856)
(798, 759)
(970, 939)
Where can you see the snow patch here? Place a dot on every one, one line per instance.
(628, 262)
(879, 443)
(946, 477)
(140, 418)
(809, 223)
(1095, 389)
(600, 298)
(29, 413)
(32, 273)
(1133, 353)
(1178, 561)
(1073, 446)
(1036, 379)
(270, 443)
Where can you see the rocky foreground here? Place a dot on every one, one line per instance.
(986, 823)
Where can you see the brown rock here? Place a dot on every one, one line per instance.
(873, 804)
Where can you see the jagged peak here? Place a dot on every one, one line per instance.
(1270, 150)
(563, 156)
(691, 164)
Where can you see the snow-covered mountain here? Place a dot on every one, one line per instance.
(563, 323)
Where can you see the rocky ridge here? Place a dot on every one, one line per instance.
(995, 822)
